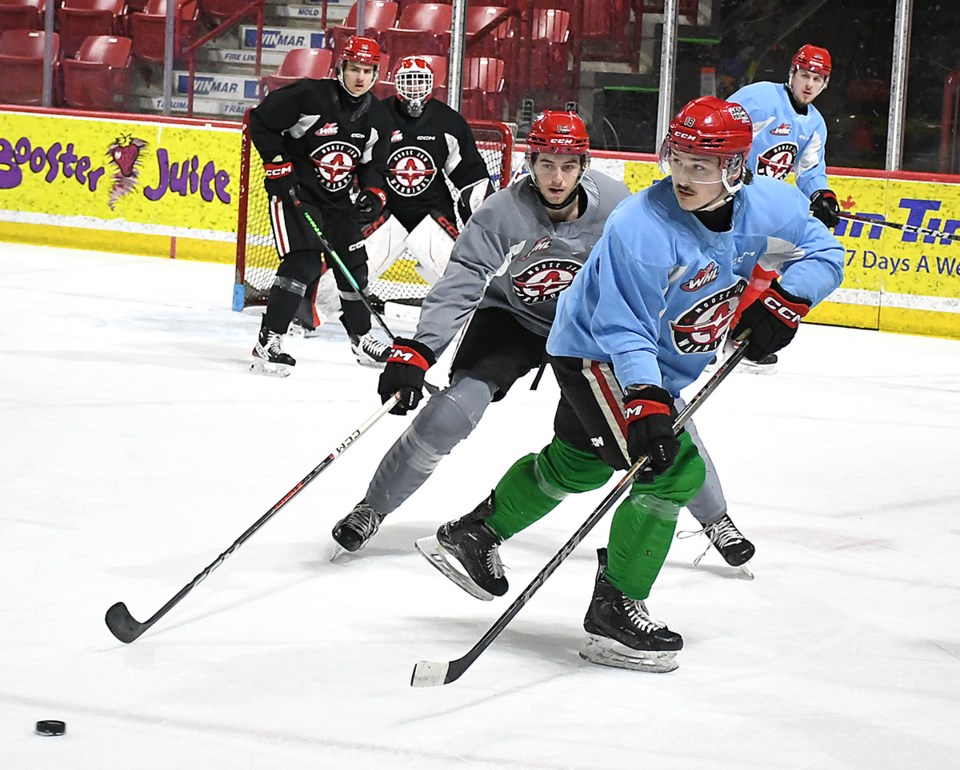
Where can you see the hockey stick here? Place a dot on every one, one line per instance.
(906, 228)
(430, 387)
(128, 629)
(428, 673)
(343, 268)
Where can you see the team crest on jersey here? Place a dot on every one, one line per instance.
(335, 163)
(705, 276)
(782, 130)
(411, 171)
(328, 129)
(544, 280)
(777, 161)
(700, 329)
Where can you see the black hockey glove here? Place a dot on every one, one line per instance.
(280, 179)
(649, 413)
(824, 206)
(405, 371)
(772, 320)
(369, 205)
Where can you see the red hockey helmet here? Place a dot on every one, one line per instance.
(362, 50)
(812, 59)
(414, 81)
(359, 50)
(711, 126)
(559, 133)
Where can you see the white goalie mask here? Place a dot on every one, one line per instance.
(414, 83)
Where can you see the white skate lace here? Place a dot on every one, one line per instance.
(494, 564)
(273, 346)
(722, 532)
(376, 349)
(363, 520)
(640, 617)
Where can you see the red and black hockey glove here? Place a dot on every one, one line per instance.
(824, 206)
(405, 371)
(280, 179)
(649, 413)
(369, 205)
(772, 321)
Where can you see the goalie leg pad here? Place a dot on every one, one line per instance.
(607, 652)
(431, 243)
(385, 245)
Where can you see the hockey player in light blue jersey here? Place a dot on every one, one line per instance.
(641, 321)
(789, 134)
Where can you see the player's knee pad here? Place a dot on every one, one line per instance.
(359, 273)
(297, 271)
(445, 420)
(565, 469)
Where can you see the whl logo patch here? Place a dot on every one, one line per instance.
(704, 277)
(782, 130)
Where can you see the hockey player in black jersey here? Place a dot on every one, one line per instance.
(430, 140)
(433, 161)
(317, 139)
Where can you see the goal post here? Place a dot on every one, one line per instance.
(256, 256)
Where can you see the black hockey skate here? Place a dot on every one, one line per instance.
(268, 355)
(369, 350)
(357, 527)
(474, 545)
(621, 633)
(735, 549)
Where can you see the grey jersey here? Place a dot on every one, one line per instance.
(512, 257)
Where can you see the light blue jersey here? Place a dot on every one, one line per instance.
(659, 289)
(783, 139)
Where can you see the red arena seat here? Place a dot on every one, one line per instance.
(301, 63)
(21, 65)
(20, 14)
(79, 19)
(378, 16)
(423, 28)
(98, 78)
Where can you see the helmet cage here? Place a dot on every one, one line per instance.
(414, 84)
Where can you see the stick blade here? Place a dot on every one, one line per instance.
(122, 624)
(429, 673)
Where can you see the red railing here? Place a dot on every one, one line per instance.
(949, 125)
(254, 7)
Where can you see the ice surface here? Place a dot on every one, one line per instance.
(136, 448)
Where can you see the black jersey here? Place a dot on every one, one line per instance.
(422, 150)
(331, 137)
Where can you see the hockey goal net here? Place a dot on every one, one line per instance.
(257, 261)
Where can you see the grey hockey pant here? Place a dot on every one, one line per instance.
(444, 421)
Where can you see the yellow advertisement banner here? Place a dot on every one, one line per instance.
(136, 183)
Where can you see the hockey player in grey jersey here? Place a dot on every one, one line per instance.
(519, 250)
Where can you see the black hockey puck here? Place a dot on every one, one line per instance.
(51, 727)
